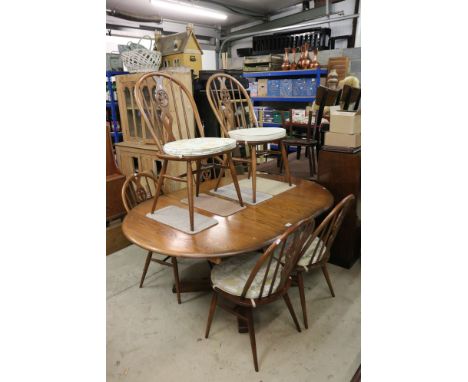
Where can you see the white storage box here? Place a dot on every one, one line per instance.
(346, 122)
(342, 140)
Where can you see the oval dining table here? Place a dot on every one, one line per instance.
(250, 229)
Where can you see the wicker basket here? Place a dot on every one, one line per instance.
(141, 60)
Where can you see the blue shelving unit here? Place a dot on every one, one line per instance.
(112, 104)
(287, 73)
(317, 73)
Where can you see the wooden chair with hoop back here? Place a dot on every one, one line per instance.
(166, 106)
(137, 189)
(233, 109)
(309, 135)
(350, 98)
(244, 282)
(317, 249)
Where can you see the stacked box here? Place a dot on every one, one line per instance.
(345, 129)
(286, 87)
(299, 87)
(262, 89)
(310, 87)
(253, 87)
(273, 88)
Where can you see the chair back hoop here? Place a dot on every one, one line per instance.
(280, 259)
(167, 106)
(137, 189)
(351, 96)
(327, 231)
(325, 97)
(230, 103)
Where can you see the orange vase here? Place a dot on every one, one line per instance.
(293, 63)
(286, 65)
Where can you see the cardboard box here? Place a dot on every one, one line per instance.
(262, 89)
(342, 140)
(346, 122)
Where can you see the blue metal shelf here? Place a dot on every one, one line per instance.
(286, 73)
(112, 104)
(283, 99)
(271, 124)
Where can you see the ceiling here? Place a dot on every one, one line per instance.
(243, 8)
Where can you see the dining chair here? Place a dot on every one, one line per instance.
(317, 249)
(350, 98)
(167, 107)
(137, 189)
(234, 111)
(253, 279)
(308, 136)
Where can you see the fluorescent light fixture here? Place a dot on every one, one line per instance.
(188, 9)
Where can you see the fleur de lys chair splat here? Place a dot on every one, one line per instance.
(167, 106)
(253, 279)
(233, 108)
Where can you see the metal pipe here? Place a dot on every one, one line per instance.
(282, 29)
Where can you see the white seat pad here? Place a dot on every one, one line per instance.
(258, 134)
(305, 259)
(199, 146)
(232, 274)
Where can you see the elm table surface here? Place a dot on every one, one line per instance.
(250, 229)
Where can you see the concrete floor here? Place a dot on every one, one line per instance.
(152, 338)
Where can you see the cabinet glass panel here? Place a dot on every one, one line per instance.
(130, 119)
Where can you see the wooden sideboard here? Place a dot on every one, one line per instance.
(340, 173)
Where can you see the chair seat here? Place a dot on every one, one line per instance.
(299, 141)
(199, 146)
(305, 259)
(258, 134)
(232, 274)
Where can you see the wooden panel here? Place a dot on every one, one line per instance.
(340, 64)
(146, 156)
(340, 173)
(115, 239)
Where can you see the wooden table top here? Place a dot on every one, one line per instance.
(247, 230)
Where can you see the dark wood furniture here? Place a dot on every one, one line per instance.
(157, 94)
(350, 98)
(340, 172)
(114, 183)
(138, 189)
(233, 108)
(318, 248)
(266, 282)
(308, 135)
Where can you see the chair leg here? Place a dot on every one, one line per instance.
(300, 284)
(159, 184)
(175, 269)
(291, 310)
(221, 172)
(197, 191)
(190, 193)
(253, 344)
(298, 153)
(234, 178)
(211, 314)
(327, 277)
(253, 166)
(145, 269)
(315, 157)
(284, 154)
(311, 165)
